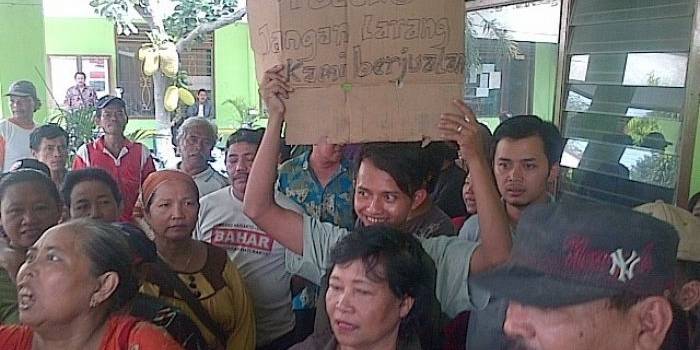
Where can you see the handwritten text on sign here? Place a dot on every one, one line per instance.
(332, 41)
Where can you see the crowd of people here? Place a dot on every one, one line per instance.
(457, 245)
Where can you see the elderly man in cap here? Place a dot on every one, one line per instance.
(127, 161)
(15, 131)
(685, 331)
(586, 276)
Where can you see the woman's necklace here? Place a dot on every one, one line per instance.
(187, 263)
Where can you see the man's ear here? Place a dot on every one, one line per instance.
(406, 306)
(64, 212)
(34, 154)
(654, 316)
(107, 284)
(418, 198)
(553, 173)
(689, 295)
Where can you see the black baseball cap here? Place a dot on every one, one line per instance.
(575, 252)
(106, 100)
(253, 136)
(31, 163)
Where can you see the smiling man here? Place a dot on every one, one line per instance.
(387, 193)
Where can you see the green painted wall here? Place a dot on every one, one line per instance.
(23, 55)
(545, 80)
(82, 36)
(79, 36)
(234, 69)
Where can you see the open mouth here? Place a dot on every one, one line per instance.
(25, 299)
(375, 220)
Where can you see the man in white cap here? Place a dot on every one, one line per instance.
(685, 294)
(15, 131)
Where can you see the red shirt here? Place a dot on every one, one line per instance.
(129, 169)
(123, 332)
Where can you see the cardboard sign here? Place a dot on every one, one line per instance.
(363, 70)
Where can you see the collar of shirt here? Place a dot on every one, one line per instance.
(126, 146)
(206, 173)
(306, 164)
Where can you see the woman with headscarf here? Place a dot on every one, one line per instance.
(93, 193)
(214, 292)
(71, 289)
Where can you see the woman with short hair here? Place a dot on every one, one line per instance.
(215, 294)
(29, 205)
(378, 293)
(93, 193)
(71, 288)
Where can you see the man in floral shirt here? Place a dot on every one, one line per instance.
(80, 95)
(321, 181)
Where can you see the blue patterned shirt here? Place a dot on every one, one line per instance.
(333, 204)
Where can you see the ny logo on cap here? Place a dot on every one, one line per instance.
(626, 266)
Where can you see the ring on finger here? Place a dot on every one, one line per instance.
(459, 129)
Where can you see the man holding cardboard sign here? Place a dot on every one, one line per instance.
(382, 197)
(371, 70)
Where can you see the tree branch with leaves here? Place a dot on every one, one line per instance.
(171, 30)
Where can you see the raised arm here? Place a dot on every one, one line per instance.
(496, 239)
(259, 204)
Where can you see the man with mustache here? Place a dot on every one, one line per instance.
(320, 180)
(585, 276)
(259, 258)
(195, 140)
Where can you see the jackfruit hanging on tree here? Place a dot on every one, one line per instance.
(165, 57)
(172, 97)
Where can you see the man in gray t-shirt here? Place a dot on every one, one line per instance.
(259, 257)
(525, 153)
